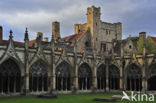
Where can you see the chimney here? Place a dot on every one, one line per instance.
(46, 39)
(142, 35)
(1, 33)
(56, 30)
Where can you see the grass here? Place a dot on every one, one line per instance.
(64, 98)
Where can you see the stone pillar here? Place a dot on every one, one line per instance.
(75, 82)
(107, 76)
(53, 68)
(94, 79)
(122, 76)
(26, 74)
(27, 82)
(144, 79)
(53, 78)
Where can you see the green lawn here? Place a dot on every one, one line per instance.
(64, 98)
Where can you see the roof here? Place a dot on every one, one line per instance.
(31, 42)
(154, 39)
(15, 42)
(73, 38)
(133, 39)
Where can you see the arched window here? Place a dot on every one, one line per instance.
(134, 78)
(38, 77)
(63, 78)
(84, 77)
(10, 77)
(101, 77)
(114, 77)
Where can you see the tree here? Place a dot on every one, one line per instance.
(140, 45)
(150, 47)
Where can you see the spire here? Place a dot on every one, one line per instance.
(11, 34)
(26, 35)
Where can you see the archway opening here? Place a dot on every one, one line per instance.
(84, 77)
(10, 77)
(38, 78)
(101, 77)
(114, 77)
(134, 78)
(63, 77)
(152, 83)
(152, 78)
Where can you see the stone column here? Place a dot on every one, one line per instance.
(107, 76)
(94, 79)
(75, 82)
(26, 66)
(122, 76)
(144, 79)
(53, 79)
(27, 82)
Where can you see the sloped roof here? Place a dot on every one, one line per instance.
(31, 42)
(154, 39)
(15, 42)
(133, 39)
(73, 38)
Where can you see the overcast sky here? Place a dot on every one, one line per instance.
(135, 15)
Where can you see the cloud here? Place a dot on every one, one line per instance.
(37, 15)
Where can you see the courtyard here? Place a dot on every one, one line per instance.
(62, 98)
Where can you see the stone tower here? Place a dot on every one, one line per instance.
(142, 35)
(56, 30)
(93, 22)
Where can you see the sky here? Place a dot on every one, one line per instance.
(37, 15)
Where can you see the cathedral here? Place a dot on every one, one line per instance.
(93, 59)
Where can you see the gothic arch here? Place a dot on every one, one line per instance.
(133, 78)
(10, 77)
(101, 77)
(87, 63)
(19, 63)
(38, 77)
(130, 63)
(114, 62)
(114, 77)
(63, 60)
(100, 63)
(84, 77)
(64, 74)
(46, 65)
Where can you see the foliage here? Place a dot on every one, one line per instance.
(140, 45)
(149, 46)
